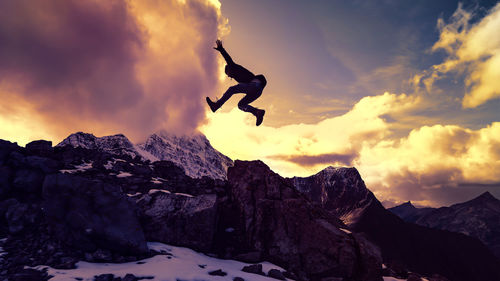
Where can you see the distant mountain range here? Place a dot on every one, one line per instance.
(479, 217)
(193, 153)
(425, 250)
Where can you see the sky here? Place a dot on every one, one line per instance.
(405, 91)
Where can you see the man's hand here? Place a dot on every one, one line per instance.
(219, 45)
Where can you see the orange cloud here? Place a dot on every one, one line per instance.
(473, 49)
(118, 66)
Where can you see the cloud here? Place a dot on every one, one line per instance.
(108, 66)
(312, 160)
(302, 149)
(419, 165)
(473, 50)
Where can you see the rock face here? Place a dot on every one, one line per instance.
(91, 214)
(286, 229)
(338, 190)
(420, 249)
(193, 153)
(479, 217)
(180, 219)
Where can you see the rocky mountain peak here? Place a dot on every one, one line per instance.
(191, 152)
(338, 189)
(485, 197)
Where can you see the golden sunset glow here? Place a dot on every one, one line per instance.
(409, 97)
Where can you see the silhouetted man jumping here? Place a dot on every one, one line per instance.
(248, 83)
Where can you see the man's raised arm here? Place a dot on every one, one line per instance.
(221, 49)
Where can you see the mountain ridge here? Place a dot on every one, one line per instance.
(193, 153)
(478, 217)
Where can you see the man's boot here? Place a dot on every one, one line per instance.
(260, 116)
(213, 105)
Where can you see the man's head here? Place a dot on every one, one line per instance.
(229, 71)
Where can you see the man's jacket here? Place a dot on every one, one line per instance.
(240, 74)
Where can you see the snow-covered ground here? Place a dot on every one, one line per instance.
(78, 168)
(175, 263)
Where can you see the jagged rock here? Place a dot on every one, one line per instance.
(28, 181)
(130, 277)
(238, 279)
(6, 147)
(90, 214)
(179, 219)
(276, 274)
(104, 277)
(15, 216)
(251, 257)
(254, 268)
(289, 231)
(217, 272)
(40, 147)
(29, 275)
(5, 179)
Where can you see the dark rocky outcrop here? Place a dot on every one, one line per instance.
(419, 249)
(179, 219)
(280, 223)
(92, 214)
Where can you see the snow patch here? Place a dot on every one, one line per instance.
(346, 230)
(175, 264)
(78, 168)
(184, 194)
(158, 180)
(388, 278)
(151, 191)
(123, 174)
(109, 165)
(132, 195)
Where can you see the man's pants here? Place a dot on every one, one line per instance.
(253, 90)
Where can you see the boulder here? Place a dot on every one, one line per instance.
(40, 147)
(179, 219)
(6, 147)
(5, 180)
(290, 231)
(28, 182)
(15, 216)
(90, 214)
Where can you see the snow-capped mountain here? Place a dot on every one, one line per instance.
(116, 144)
(193, 153)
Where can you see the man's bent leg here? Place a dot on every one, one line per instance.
(244, 105)
(239, 88)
